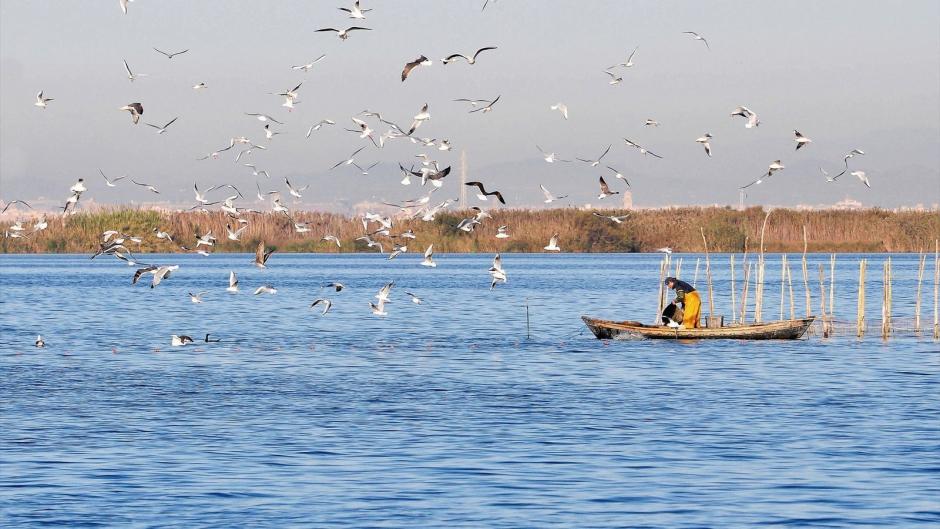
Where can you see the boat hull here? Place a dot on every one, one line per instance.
(775, 330)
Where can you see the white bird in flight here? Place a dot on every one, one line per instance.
(696, 36)
(549, 198)
(131, 75)
(704, 140)
(343, 34)
(308, 66)
(553, 244)
(800, 139)
(429, 257)
(41, 101)
(561, 107)
(470, 60)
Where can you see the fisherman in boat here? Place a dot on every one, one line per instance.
(690, 300)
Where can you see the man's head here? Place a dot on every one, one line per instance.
(670, 282)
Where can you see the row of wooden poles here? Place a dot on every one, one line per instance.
(786, 286)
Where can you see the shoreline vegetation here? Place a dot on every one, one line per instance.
(580, 231)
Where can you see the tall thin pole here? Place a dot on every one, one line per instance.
(783, 281)
(734, 307)
(860, 317)
(708, 280)
(922, 264)
(663, 267)
(936, 290)
(747, 278)
(695, 277)
(759, 290)
(809, 302)
(822, 300)
(832, 286)
(790, 284)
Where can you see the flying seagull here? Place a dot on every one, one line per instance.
(261, 257)
(496, 271)
(553, 244)
(561, 107)
(800, 139)
(696, 36)
(327, 304)
(355, 11)
(641, 149)
(429, 258)
(488, 107)
(861, 176)
(614, 79)
(651, 123)
(470, 60)
(41, 101)
(263, 117)
(613, 218)
(629, 63)
(483, 193)
(232, 282)
(197, 297)
(595, 163)
(774, 166)
(136, 110)
(265, 289)
(748, 114)
(123, 5)
(161, 130)
(10, 203)
(170, 55)
(131, 75)
(308, 66)
(149, 187)
(549, 198)
(704, 140)
(550, 157)
(420, 61)
(348, 161)
(343, 34)
(605, 190)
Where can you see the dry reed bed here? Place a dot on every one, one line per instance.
(727, 230)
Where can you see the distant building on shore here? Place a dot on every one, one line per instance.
(628, 199)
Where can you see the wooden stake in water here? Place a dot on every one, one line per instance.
(936, 290)
(809, 303)
(822, 301)
(860, 317)
(528, 333)
(790, 284)
(783, 280)
(734, 307)
(747, 278)
(832, 287)
(759, 288)
(695, 277)
(663, 267)
(708, 279)
(920, 280)
(886, 300)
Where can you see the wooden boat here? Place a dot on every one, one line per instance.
(775, 330)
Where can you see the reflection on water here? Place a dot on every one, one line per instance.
(445, 413)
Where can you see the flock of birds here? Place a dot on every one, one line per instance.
(377, 229)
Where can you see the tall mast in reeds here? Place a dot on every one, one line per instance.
(809, 303)
(860, 316)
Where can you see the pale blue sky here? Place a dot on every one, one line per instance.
(848, 74)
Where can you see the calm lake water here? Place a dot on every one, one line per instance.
(446, 414)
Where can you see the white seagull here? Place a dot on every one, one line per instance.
(41, 101)
(696, 36)
(136, 110)
(748, 114)
(605, 190)
(355, 11)
(800, 139)
(343, 34)
(549, 198)
(497, 273)
(265, 289)
(553, 244)
(161, 130)
(704, 140)
(429, 257)
(561, 107)
(131, 75)
(232, 282)
(306, 67)
(470, 60)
